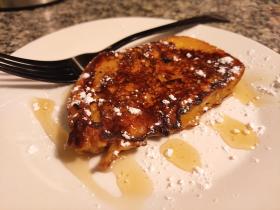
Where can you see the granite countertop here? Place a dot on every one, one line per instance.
(256, 19)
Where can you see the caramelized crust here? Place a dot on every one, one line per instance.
(151, 90)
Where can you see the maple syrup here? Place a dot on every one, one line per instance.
(245, 93)
(131, 179)
(182, 154)
(236, 134)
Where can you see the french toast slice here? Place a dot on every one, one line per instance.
(151, 90)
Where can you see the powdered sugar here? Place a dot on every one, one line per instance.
(203, 180)
(134, 110)
(126, 135)
(226, 60)
(117, 111)
(36, 106)
(258, 129)
(270, 89)
(88, 112)
(235, 70)
(125, 143)
(32, 149)
(200, 73)
(76, 88)
(169, 152)
(166, 102)
(175, 58)
(88, 98)
(187, 101)
(189, 55)
(85, 75)
(266, 90)
(172, 97)
(222, 70)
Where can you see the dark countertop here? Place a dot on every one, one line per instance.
(256, 19)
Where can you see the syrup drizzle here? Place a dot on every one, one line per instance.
(183, 155)
(236, 134)
(245, 93)
(131, 179)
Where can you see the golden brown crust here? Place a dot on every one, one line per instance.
(151, 90)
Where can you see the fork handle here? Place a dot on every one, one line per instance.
(185, 22)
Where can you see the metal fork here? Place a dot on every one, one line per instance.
(68, 70)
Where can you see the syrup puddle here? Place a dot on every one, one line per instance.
(132, 181)
(246, 94)
(181, 154)
(131, 178)
(236, 134)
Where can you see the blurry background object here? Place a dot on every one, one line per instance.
(256, 19)
(23, 4)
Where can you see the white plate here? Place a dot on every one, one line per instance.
(40, 181)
